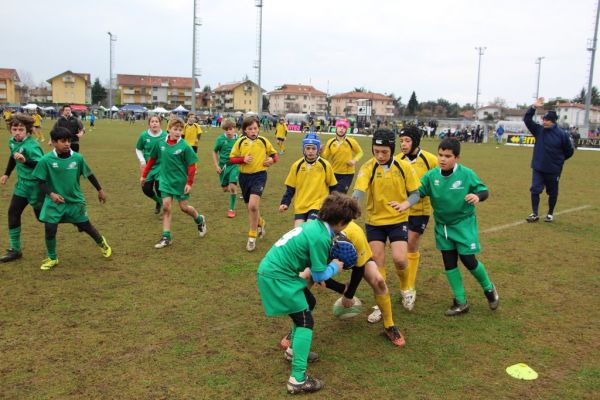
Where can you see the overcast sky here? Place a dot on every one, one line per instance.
(386, 46)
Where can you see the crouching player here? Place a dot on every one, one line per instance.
(25, 153)
(310, 180)
(283, 289)
(454, 191)
(58, 172)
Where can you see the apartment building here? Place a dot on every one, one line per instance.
(10, 83)
(71, 88)
(347, 104)
(236, 96)
(148, 90)
(290, 98)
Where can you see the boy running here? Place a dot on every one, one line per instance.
(282, 280)
(280, 134)
(255, 154)
(25, 152)
(176, 176)
(37, 126)
(58, 173)
(144, 146)
(343, 153)
(422, 161)
(192, 132)
(454, 191)
(310, 179)
(228, 172)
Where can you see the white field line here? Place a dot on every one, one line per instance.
(502, 227)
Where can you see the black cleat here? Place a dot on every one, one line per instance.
(492, 297)
(11, 255)
(457, 309)
(533, 217)
(309, 385)
(157, 208)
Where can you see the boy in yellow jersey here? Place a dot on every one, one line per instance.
(310, 179)
(280, 135)
(422, 161)
(343, 153)
(388, 184)
(255, 154)
(192, 132)
(7, 115)
(37, 126)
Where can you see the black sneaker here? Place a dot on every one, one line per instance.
(533, 217)
(309, 385)
(492, 297)
(163, 242)
(11, 255)
(157, 208)
(456, 309)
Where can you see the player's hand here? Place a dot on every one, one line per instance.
(57, 198)
(3, 179)
(101, 196)
(346, 302)
(268, 162)
(305, 274)
(218, 169)
(142, 180)
(248, 159)
(340, 264)
(399, 206)
(539, 103)
(187, 188)
(283, 208)
(472, 198)
(351, 163)
(142, 168)
(19, 157)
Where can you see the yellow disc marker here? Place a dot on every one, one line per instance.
(522, 371)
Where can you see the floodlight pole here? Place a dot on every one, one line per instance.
(538, 61)
(112, 40)
(480, 51)
(196, 23)
(259, 5)
(588, 95)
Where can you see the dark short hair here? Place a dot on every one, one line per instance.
(60, 133)
(450, 144)
(21, 119)
(339, 207)
(249, 121)
(65, 106)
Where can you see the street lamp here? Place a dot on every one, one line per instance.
(538, 61)
(112, 40)
(480, 51)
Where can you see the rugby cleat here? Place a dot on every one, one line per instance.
(202, 227)
(106, 249)
(457, 309)
(288, 354)
(11, 255)
(395, 336)
(492, 297)
(408, 298)
(375, 316)
(231, 214)
(163, 242)
(533, 217)
(549, 218)
(251, 244)
(48, 264)
(308, 385)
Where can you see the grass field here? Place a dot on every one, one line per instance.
(186, 322)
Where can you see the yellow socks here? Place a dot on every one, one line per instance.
(261, 222)
(385, 306)
(403, 276)
(413, 266)
(252, 234)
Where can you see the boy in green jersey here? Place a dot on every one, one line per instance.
(58, 174)
(25, 153)
(228, 172)
(176, 176)
(454, 190)
(144, 146)
(299, 255)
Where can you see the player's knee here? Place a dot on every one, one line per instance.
(469, 261)
(253, 207)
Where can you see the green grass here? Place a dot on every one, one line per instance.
(186, 322)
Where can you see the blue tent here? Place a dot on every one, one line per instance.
(134, 107)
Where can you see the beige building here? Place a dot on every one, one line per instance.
(236, 96)
(151, 91)
(297, 99)
(40, 95)
(349, 104)
(10, 86)
(71, 88)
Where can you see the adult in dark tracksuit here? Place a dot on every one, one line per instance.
(73, 124)
(552, 147)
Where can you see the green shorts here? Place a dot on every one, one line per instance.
(29, 190)
(178, 197)
(282, 296)
(229, 174)
(72, 213)
(462, 236)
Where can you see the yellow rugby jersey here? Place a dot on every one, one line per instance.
(260, 149)
(312, 182)
(37, 120)
(191, 133)
(357, 236)
(382, 185)
(280, 131)
(424, 162)
(338, 153)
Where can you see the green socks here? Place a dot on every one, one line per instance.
(198, 219)
(232, 200)
(301, 348)
(167, 234)
(482, 277)
(14, 236)
(51, 248)
(456, 283)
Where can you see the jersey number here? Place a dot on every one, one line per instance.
(291, 234)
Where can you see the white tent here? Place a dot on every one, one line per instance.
(31, 107)
(180, 109)
(159, 110)
(114, 108)
(49, 108)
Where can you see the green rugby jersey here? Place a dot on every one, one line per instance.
(447, 193)
(146, 142)
(304, 246)
(62, 174)
(174, 161)
(223, 147)
(31, 150)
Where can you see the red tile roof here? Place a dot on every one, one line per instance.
(154, 81)
(297, 89)
(228, 87)
(9, 73)
(362, 95)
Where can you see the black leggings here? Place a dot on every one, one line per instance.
(87, 227)
(15, 210)
(304, 319)
(450, 258)
(150, 187)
